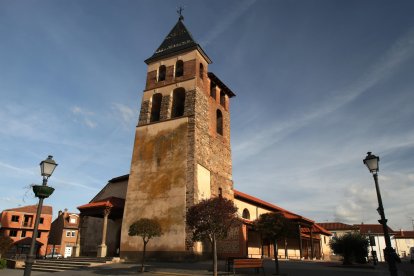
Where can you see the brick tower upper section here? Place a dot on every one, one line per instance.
(178, 84)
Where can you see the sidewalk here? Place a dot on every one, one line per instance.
(287, 268)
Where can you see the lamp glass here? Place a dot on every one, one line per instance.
(47, 166)
(371, 161)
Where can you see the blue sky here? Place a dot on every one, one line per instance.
(318, 84)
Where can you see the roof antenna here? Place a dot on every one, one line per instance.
(180, 11)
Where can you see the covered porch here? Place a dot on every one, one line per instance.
(100, 228)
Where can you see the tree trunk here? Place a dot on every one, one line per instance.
(214, 255)
(276, 258)
(143, 257)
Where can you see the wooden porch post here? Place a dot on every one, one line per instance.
(311, 242)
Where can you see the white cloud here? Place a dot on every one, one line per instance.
(85, 116)
(401, 51)
(222, 25)
(126, 114)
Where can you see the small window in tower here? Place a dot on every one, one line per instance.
(179, 68)
(162, 72)
(220, 192)
(223, 99)
(219, 122)
(156, 107)
(178, 103)
(213, 90)
(246, 214)
(201, 72)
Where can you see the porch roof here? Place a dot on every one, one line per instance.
(96, 208)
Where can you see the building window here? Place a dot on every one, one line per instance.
(156, 107)
(179, 68)
(73, 233)
(219, 122)
(68, 234)
(15, 218)
(178, 102)
(23, 234)
(222, 99)
(246, 214)
(201, 72)
(72, 220)
(213, 90)
(39, 234)
(220, 192)
(41, 220)
(13, 233)
(162, 71)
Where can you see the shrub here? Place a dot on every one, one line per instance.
(353, 247)
(3, 263)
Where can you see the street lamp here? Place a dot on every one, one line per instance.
(371, 161)
(41, 191)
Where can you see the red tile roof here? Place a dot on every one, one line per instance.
(46, 209)
(404, 234)
(316, 229)
(335, 226)
(372, 229)
(267, 205)
(111, 202)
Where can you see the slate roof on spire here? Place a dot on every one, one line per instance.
(178, 40)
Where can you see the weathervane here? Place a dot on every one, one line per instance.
(180, 11)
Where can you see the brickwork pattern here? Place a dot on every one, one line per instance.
(189, 72)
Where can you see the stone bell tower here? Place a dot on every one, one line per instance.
(182, 150)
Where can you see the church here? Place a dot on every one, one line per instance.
(181, 155)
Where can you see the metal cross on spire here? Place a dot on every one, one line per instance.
(180, 11)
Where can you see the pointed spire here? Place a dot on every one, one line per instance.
(178, 40)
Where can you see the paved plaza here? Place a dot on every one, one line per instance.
(288, 268)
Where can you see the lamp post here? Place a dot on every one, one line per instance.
(371, 161)
(41, 191)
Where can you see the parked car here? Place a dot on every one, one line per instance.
(54, 256)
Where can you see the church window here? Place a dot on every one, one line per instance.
(178, 102)
(246, 214)
(162, 72)
(156, 107)
(179, 68)
(213, 90)
(201, 72)
(219, 122)
(222, 99)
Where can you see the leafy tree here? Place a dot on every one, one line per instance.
(351, 246)
(275, 227)
(147, 229)
(210, 220)
(5, 244)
